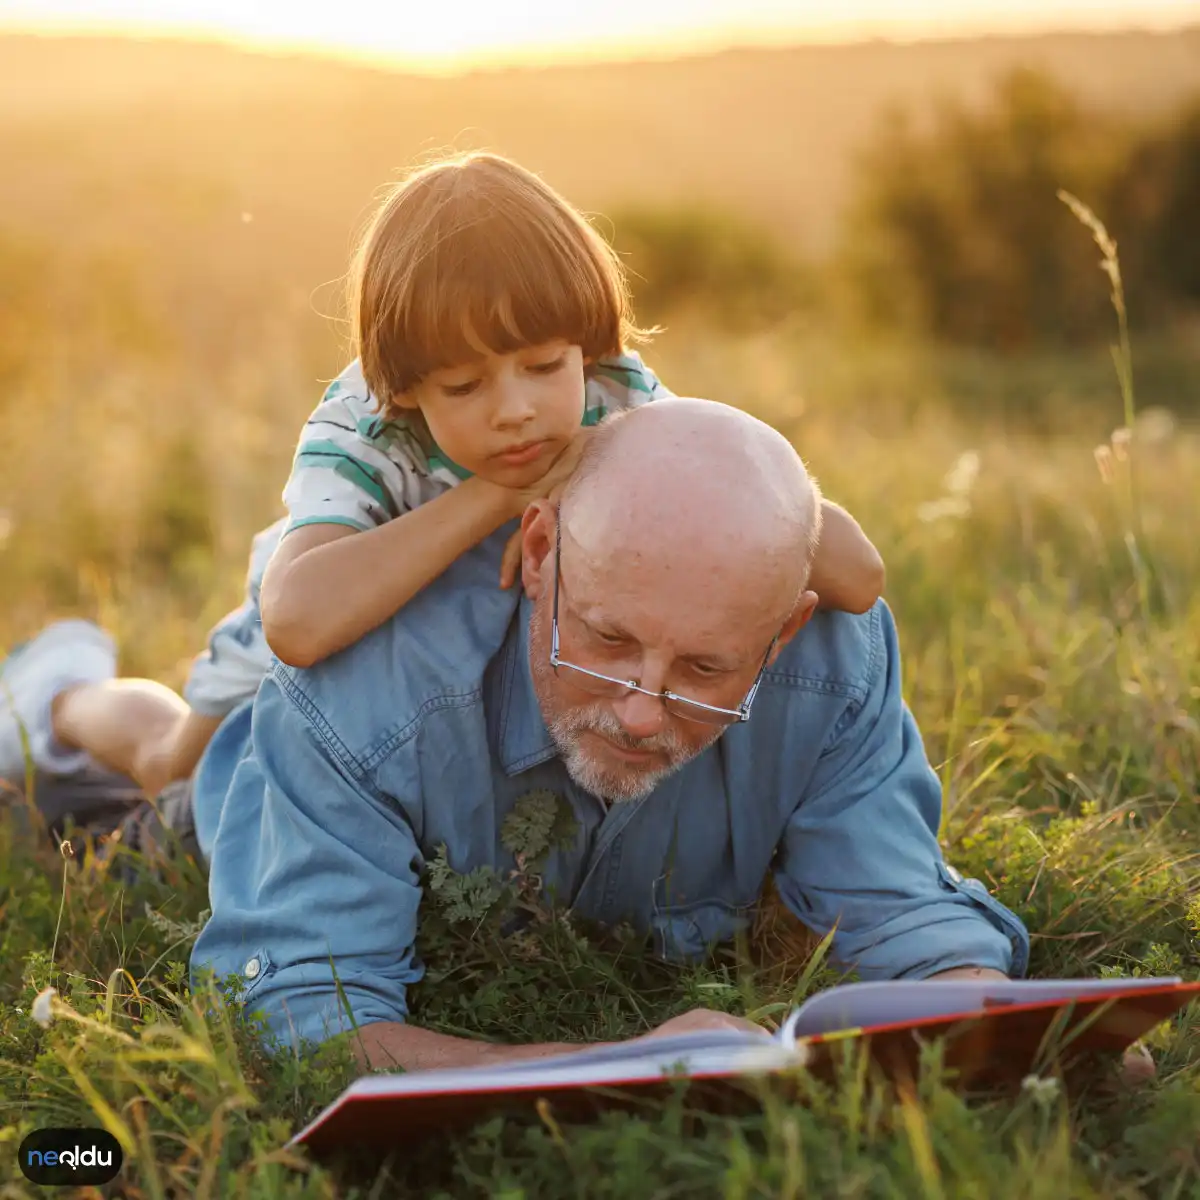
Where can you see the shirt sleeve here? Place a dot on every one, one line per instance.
(861, 854)
(314, 881)
(654, 388)
(232, 665)
(621, 382)
(350, 468)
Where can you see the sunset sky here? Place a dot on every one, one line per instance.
(442, 34)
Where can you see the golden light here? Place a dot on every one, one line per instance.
(455, 33)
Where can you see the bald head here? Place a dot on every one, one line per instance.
(698, 487)
(686, 534)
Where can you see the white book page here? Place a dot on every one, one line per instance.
(645, 1059)
(857, 1004)
(735, 1051)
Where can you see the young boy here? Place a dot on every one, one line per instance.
(491, 324)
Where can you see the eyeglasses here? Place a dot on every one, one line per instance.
(605, 685)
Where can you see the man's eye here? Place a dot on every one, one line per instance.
(609, 639)
(548, 368)
(706, 671)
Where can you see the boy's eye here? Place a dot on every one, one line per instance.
(460, 389)
(548, 368)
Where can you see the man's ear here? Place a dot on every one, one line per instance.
(805, 607)
(537, 546)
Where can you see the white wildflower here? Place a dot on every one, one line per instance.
(947, 506)
(960, 479)
(41, 1011)
(1154, 425)
(1120, 442)
(1104, 461)
(1043, 1091)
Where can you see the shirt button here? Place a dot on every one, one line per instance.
(252, 968)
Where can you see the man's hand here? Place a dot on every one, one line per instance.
(549, 485)
(704, 1018)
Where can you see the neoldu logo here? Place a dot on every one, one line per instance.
(78, 1157)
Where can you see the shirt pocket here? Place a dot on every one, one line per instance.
(1007, 922)
(689, 931)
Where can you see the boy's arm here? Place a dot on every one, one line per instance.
(325, 589)
(328, 585)
(847, 571)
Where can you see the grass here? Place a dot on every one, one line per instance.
(1054, 672)
(1061, 715)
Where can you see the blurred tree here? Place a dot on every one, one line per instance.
(697, 259)
(957, 231)
(1174, 250)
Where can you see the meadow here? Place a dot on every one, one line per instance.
(1038, 519)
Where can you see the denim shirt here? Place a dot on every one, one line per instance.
(319, 803)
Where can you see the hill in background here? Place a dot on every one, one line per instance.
(102, 136)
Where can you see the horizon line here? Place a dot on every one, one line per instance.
(699, 43)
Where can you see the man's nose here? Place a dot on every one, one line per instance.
(641, 716)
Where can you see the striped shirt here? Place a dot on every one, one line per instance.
(354, 467)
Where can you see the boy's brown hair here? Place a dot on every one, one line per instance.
(475, 252)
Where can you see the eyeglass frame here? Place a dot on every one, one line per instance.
(736, 715)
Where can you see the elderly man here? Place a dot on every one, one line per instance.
(665, 675)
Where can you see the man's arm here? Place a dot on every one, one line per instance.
(392, 1045)
(970, 973)
(313, 872)
(386, 1045)
(861, 851)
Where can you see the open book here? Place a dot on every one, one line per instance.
(995, 1031)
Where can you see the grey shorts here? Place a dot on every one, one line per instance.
(103, 803)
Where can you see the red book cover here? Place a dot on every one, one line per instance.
(994, 1033)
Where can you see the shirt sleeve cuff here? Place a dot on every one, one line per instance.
(965, 927)
(302, 1003)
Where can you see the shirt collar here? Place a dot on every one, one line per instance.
(523, 741)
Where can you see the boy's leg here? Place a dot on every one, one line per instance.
(59, 690)
(109, 806)
(65, 654)
(93, 798)
(152, 830)
(136, 726)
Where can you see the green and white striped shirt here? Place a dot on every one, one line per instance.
(354, 467)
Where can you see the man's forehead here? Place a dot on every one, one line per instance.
(645, 602)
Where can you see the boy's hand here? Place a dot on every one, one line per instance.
(559, 471)
(549, 486)
(510, 563)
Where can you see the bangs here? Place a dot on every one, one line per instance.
(475, 256)
(501, 285)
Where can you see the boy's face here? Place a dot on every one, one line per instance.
(505, 417)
